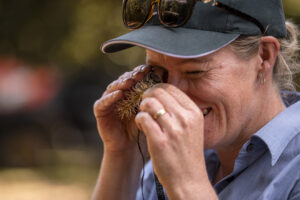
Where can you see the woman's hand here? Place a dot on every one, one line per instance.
(175, 139)
(112, 132)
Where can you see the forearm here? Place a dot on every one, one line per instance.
(119, 176)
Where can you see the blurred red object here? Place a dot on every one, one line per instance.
(24, 88)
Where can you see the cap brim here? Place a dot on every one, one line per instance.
(176, 42)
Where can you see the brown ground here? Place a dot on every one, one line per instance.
(69, 181)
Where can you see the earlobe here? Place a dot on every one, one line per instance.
(261, 78)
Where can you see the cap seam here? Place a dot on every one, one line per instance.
(205, 28)
(228, 21)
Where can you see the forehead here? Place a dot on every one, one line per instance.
(153, 57)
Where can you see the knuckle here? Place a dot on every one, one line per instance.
(112, 84)
(97, 107)
(140, 117)
(154, 91)
(126, 75)
(138, 68)
(197, 114)
(158, 91)
(162, 143)
(147, 103)
(186, 119)
(176, 131)
(106, 101)
(189, 118)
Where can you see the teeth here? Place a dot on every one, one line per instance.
(206, 111)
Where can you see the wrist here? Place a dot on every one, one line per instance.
(129, 149)
(127, 156)
(120, 171)
(198, 189)
(116, 150)
(121, 163)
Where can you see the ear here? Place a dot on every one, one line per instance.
(268, 51)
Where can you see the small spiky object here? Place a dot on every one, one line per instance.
(129, 106)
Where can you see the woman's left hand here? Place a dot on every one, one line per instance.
(175, 139)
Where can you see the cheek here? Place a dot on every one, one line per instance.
(205, 89)
(226, 103)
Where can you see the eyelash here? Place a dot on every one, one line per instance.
(191, 74)
(195, 73)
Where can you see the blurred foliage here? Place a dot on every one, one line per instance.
(67, 33)
(70, 32)
(292, 9)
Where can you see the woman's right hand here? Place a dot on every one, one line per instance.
(111, 129)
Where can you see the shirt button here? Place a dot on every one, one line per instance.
(250, 147)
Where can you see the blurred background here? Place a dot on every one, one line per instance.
(51, 72)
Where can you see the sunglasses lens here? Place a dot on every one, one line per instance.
(135, 12)
(175, 12)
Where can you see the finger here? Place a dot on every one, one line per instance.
(168, 102)
(178, 95)
(127, 80)
(119, 84)
(134, 72)
(104, 105)
(149, 126)
(181, 113)
(142, 69)
(152, 106)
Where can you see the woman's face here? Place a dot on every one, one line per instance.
(224, 88)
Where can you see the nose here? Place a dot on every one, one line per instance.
(178, 81)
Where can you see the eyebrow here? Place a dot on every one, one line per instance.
(184, 61)
(195, 60)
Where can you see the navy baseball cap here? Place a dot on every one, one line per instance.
(209, 29)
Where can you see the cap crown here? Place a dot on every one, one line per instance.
(269, 13)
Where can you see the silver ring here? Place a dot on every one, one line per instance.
(159, 113)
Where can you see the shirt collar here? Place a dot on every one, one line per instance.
(280, 131)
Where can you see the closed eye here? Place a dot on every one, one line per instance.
(194, 72)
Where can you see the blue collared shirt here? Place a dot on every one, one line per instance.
(267, 167)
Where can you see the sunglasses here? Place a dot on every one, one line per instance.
(171, 13)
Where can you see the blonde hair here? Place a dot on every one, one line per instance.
(286, 65)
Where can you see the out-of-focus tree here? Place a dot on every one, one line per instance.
(292, 9)
(33, 29)
(68, 33)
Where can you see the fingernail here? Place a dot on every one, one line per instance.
(143, 68)
(135, 73)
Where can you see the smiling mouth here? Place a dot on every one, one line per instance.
(206, 111)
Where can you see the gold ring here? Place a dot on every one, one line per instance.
(159, 113)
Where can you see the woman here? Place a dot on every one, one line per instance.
(218, 128)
